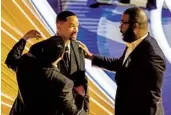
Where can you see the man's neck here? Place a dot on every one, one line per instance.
(66, 41)
(139, 39)
(141, 34)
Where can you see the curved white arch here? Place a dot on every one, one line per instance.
(157, 30)
(168, 4)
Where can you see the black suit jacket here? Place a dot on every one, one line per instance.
(139, 79)
(42, 88)
(76, 72)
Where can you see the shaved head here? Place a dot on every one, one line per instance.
(137, 15)
(134, 24)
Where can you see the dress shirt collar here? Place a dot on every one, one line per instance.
(134, 44)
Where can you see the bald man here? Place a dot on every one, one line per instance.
(139, 71)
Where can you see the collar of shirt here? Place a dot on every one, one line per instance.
(134, 44)
(68, 44)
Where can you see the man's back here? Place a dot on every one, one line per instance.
(40, 86)
(43, 90)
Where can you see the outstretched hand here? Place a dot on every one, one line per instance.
(88, 54)
(32, 34)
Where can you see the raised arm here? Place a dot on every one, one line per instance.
(17, 50)
(111, 64)
(14, 54)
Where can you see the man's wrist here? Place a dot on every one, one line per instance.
(25, 38)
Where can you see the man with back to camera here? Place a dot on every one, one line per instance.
(43, 90)
(139, 71)
(73, 64)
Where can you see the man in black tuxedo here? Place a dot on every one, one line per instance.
(43, 90)
(73, 64)
(139, 71)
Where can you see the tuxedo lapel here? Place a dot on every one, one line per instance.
(75, 60)
(136, 51)
(65, 65)
(127, 62)
(123, 56)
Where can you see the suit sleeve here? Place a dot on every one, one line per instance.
(86, 97)
(15, 53)
(155, 68)
(67, 99)
(111, 64)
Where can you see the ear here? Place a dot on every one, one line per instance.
(59, 25)
(136, 26)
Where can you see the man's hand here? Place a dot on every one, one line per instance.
(32, 34)
(80, 90)
(88, 54)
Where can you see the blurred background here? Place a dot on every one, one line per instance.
(99, 30)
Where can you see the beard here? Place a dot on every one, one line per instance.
(129, 35)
